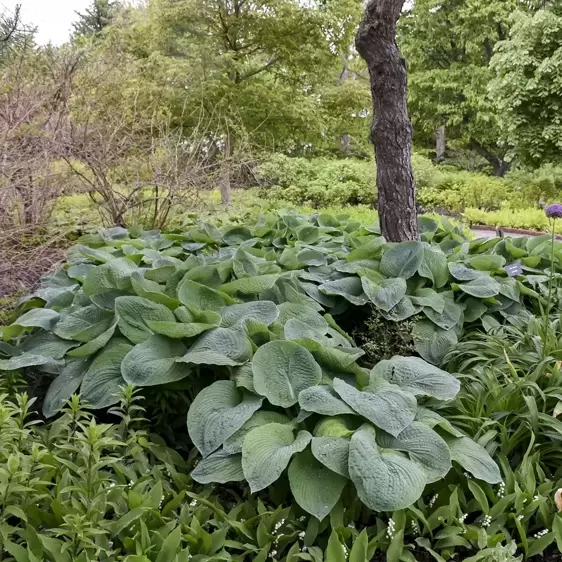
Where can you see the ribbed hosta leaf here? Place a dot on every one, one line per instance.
(220, 346)
(262, 417)
(220, 468)
(134, 314)
(315, 488)
(402, 260)
(423, 445)
(323, 400)
(385, 480)
(332, 452)
(282, 369)
(100, 386)
(217, 412)
(83, 323)
(267, 451)
(64, 386)
(416, 376)
(262, 311)
(387, 406)
(474, 459)
(155, 362)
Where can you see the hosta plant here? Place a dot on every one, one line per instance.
(152, 308)
(313, 412)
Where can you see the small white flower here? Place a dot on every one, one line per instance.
(301, 535)
(302, 518)
(535, 498)
(304, 549)
(463, 517)
(486, 521)
(467, 475)
(193, 503)
(433, 500)
(520, 517)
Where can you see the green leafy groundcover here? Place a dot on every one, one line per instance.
(248, 312)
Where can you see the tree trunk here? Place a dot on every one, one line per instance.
(500, 166)
(440, 144)
(391, 131)
(224, 179)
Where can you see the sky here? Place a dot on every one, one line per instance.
(53, 18)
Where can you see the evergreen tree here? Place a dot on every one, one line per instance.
(96, 18)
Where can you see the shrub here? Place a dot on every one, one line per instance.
(458, 190)
(322, 182)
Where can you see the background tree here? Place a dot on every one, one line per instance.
(96, 18)
(256, 68)
(448, 45)
(14, 34)
(528, 86)
(391, 131)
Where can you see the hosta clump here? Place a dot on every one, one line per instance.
(311, 411)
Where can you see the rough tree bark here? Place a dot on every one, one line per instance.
(391, 131)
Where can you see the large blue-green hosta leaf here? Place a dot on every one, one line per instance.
(217, 412)
(282, 369)
(474, 459)
(385, 405)
(267, 451)
(432, 342)
(315, 487)
(114, 275)
(134, 314)
(385, 480)
(385, 294)
(44, 318)
(332, 452)
(220, 468)
(350, 288)
(451, 315)
(100, 386)
(416, 376)
(482, 288)
(262, 311)
(155, 362)
(402, 260)
(250, 285)
(220, 346)
(434, 267)
(196, 295)
(94, 345)
(423, 445)
(64, 386)
(323, 400)
(234, 443)
(83, 323)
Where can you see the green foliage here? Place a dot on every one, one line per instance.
(526, 218)
(96, 18)
(322, 182)
(528, 85)
(195, 316)
(456, 190)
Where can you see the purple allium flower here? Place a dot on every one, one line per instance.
(554, 211)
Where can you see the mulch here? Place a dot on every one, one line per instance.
(24, 260)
